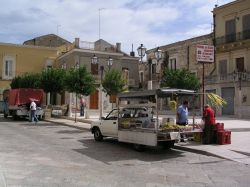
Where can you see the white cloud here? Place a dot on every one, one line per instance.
(151, 22)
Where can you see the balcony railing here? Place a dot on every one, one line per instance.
(244, 35)
(227, 78)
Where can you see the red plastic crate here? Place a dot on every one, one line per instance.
(228, 136)
(219, 126)
(221, 137)
(224, 137)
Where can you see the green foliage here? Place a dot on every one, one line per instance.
(28, 80)
(52, 80)
(113, 82)
(180, 78)
(79, 81)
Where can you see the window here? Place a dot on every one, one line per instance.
(246, 26)
(8, 67)
(230, 30)
(222, 67)
(172, 64)
(240, 64)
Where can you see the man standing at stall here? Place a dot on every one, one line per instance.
(182, 116)
(209, 121)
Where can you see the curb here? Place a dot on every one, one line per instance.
(179, 147)
(64, 124)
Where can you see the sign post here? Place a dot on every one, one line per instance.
(204, 54)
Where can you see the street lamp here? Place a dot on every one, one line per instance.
(240, 76)
(94, 60)
(110, 62)
(141, 52)
(158, 54)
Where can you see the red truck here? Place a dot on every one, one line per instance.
(19, 100)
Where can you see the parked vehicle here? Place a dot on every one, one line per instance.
(136, 120)
(18, 102)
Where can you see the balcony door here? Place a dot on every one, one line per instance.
(230, 31)
(222, 69)
(246, 26)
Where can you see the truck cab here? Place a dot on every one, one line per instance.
(106, 126)
(126, 118)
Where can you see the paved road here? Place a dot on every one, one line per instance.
(52, 155)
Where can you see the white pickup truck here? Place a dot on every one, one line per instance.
(133, 125)
(133, 121)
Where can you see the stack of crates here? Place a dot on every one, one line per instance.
(223, 136)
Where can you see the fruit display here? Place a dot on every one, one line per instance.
(173, 127)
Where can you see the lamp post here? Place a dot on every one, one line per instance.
(110, 62)
(141, 52)
(240, 76)
(77, 66)
(94, 60)
(158, 54)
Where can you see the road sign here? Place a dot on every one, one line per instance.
(205, 53)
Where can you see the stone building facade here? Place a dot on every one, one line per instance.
(82, 54)
(179, 55)
(231, 80)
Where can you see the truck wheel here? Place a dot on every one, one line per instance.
(15, 117)
(139, 147)
(40, 117)
(168, 144)
(5, 115)
(98, 135)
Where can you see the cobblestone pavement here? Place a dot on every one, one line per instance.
(52, 155)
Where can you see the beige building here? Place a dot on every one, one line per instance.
(231, 79)
(16, 60)
(83, 53)
(52, 51)
(179, 55)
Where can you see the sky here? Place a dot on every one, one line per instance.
(149, 22)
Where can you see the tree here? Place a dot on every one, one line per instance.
(28, 80)
(113, 82)
(180, 78)
(79, 81)
(52, 80)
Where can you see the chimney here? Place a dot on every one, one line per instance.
(77, 42)
(118, 47)
(132, 53)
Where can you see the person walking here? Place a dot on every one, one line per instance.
(182, 116)
(82, 106)
(209, 122)
(33, 111)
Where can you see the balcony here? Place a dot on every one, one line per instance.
(227, 78)
(235, 37)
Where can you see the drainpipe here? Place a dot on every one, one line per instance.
(188, 57)
(214, 43)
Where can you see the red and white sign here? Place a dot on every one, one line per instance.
(205, 53)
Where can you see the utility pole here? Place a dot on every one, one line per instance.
(100, 9)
